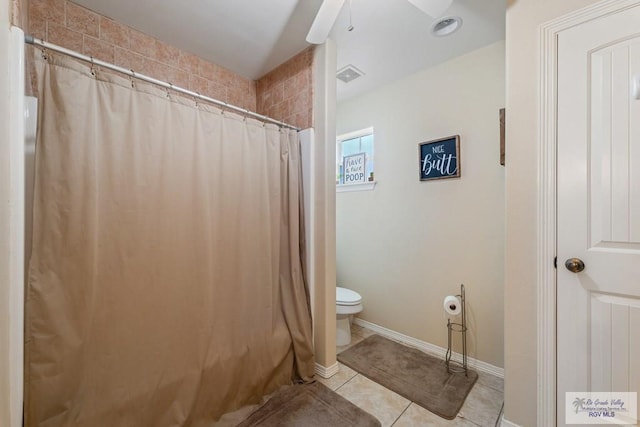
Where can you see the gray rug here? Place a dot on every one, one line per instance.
(309, 405)
(421, 378)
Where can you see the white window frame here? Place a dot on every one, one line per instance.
(365, 186)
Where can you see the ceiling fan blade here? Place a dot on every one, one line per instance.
(433, 8)
(324, 20)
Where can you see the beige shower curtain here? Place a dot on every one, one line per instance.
(166, 284)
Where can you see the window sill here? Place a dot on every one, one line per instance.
(365, 186)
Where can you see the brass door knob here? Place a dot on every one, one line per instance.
(575, 265)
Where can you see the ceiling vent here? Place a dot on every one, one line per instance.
(349, 73)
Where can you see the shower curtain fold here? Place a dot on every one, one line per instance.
(166, 282)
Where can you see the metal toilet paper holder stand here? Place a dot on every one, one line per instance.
(453, 366)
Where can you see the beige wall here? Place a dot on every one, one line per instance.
(407, 244)
(5, 367)
(523, 20)
(324, 204)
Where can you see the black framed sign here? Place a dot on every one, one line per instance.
(440, 158)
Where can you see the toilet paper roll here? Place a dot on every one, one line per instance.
(452, 305)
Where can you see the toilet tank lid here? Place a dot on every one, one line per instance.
(347, 296)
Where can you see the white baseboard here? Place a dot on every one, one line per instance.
(429, 348)
(325, 372)
(507, 423)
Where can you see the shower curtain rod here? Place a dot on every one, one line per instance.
(50, 46)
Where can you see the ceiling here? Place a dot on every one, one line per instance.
(391, 38)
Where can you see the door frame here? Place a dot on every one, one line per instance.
(547, 197)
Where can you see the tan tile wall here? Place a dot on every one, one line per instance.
(286, 93)
(66, 24)
(18, 18)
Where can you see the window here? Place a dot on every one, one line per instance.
(355, 161)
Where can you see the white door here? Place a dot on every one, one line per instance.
(598, 311)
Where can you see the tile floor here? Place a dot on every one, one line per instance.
(481, 408)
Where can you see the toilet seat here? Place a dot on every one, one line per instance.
(347, 297)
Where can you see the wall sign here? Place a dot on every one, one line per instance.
(440, 158)
(354, 168)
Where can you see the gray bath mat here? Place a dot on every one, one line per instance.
(421, 378)
(309, 405)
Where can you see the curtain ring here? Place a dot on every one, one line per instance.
(93, 69)
(131, 78)
(196, 98)
(224, 108)
(45, 55)
(169, 89)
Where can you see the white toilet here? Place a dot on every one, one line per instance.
(348, 303)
